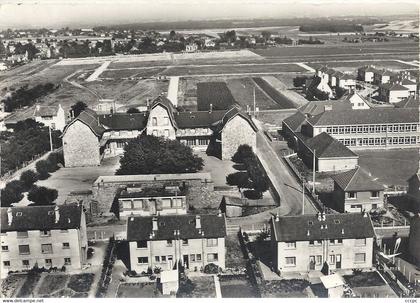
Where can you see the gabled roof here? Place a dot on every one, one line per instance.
(89, 118)
(45, 111)
(368, 68)
(198, 119)
(323, 69)
(140, 228)
(229, 115)
(330, 71)
(308, 227)
(373, 115)
(407, 82)
(356, 180)
(338, 74)
(41, 217)
(326, 146)
(314, 108)
(124, 121)
(393, 87)
(167, 104)
(346, 77)
(410, 102)
(295, 121)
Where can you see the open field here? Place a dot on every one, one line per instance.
(274, 94)
(353, 65)
(391, 167)
(127, 73)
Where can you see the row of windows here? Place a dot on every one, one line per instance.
(155, 121)
(408, 140)
(42, 233)
(209, 242)
(368, 129)
(165, 203)
(333, 259)
(45, 248)
(212, 257)
(353, 195)
(196, 142)
(48, 262)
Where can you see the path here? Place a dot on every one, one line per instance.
(78, 85)
(308, 68)
(94, 76)
(173, 90)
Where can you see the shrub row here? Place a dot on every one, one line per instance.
(106, 273)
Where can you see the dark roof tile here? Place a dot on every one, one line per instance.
(326, 146)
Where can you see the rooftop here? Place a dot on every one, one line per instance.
(310, 228)
(326, 146)
(91, 119)
(45, 111)
(123, 121)
(141, 228)
(356, 180)
(148, 192)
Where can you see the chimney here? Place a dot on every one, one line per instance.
(342, 231)
(154, 223)
(323, 216)
(197, 222)
(308, 233)
(57, 214)
(319, 217)
(9, 216)
(277, 217)
(220, 213)
(38, 107)
(211, 108)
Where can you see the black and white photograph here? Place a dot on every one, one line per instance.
(211, 149)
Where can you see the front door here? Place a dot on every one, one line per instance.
(170, 262)
(185, 259)
(311, 262)
(338, 261)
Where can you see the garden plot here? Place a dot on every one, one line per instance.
(64, 285)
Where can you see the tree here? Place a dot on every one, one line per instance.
(299, 81)
(132, 110)
(12, 193)
(266, 34)
(258, 176)
(244, 151)
(28, 177)
(42, 195)
(172, 34)
(156, 155)
(43, 168)
(239, 179)
(78, 107)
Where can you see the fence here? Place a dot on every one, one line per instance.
(108, 264)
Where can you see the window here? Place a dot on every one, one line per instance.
(24, 250)
(374, 194)
(374, 206)
(204, 142)
(165, 121)
(4, 248)
(190, 142)
(340, 241)
(351, 195)
(168, 242)
(22, 234)
(312, 242)
(318, 242)
(290, 261)
(157, 259)
(211, 242)
(176, 202)
(318, 260)
(360, 242)
(332, 259)
(360, 257)
(6, 263)
(291, 244)
(67, 261)
(155, 133)
(142, 260)
(66, 245)
(192, 258)
(198, 257)
(46, 248)
(154, 121)
(184, 241)
(48, 262)
(332, 241)
(167, 133)
(163, 259)
(25, 262)
(212, 257)
(45, 233)
(142, 244)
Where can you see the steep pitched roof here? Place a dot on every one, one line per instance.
(230, 114)
(41, 217)
(356, 180)
(124, 121)
(89, 118)
(326, 146)
(140, 228)
(45, 111)
(295, 121)
(308, 227)
(373, 115)
(314, 108)
(167, 104)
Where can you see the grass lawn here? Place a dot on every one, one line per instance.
(236, 287)
(200, 287)
(28, 287)
(81, 283)
(391, 167)
(11, 285)
(126, 73)
(294, 288)
(138, 290)
(234, 255)
(364, 279)
(52, 283)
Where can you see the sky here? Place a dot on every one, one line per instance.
(74, 13)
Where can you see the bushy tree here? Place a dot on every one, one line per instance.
(244, 151)
(43, 168)
(155, 155)
(258, 176)
(299, 81)
(239, 179)
(12, 193)
(78, 107)
(42, 195)
(28, 178)
(132, 110)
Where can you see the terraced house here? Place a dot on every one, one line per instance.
(322, 242)
(46, 236)
(192, 241)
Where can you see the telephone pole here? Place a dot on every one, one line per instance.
(313, 172)
(254, 102)
(303, 195)
(51, 145)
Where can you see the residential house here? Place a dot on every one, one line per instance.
(330, 154)
(191, 48)
(150, 201)
(413, 239)
(411, 85)
(335, 78)
(382, 76)
(366, 74)
(347, 82)
(51, 116)
(192, 241)
(393, 92)
(318, 84)
(357, 101)
(326, 242)
(46, 236)
(356, 191)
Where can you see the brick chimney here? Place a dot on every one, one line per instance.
(154, 223)
(197, 222)
(57, 214)
(9, 216)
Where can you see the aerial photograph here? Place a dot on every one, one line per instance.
(211, 149)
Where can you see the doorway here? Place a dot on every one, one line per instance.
(185, 259)
(338, 261)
